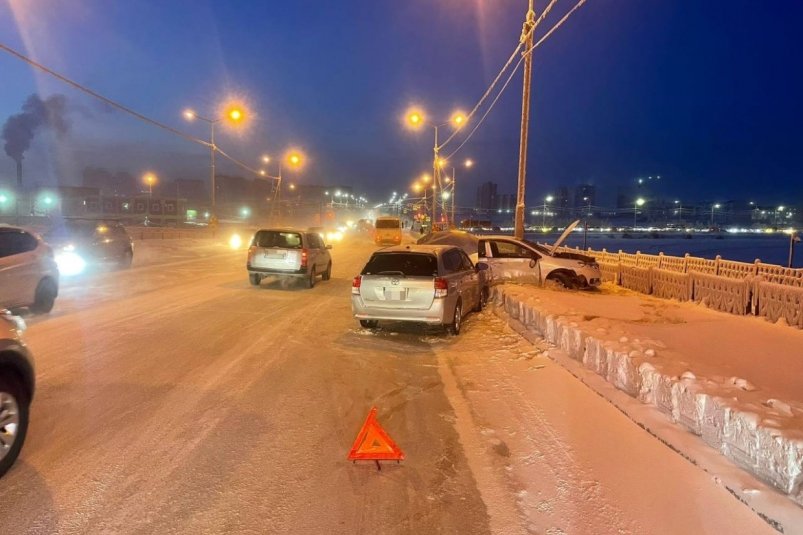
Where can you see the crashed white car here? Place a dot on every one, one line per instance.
(524, 261)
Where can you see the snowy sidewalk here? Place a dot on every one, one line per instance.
(735, 381)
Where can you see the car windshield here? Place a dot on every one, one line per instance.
(536, 246)
(279, 239)
(407, 264)
(387, 223)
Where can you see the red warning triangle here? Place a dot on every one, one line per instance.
(373, 443)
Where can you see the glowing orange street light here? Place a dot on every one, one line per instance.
(235, 114)
(415, 118)
(458, 119)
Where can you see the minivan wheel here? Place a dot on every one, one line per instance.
(13, 421)
(454, 327)
(45, 296)
(254, 279)
(311, 279)
(328, 273)
(369, 324)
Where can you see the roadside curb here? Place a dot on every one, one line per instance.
(717, 421)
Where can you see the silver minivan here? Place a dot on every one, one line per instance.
(286, 252)
(433, 284)
(29, 276)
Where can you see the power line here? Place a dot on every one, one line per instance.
(100, 97)
(125, 109)
(502, 70)
(518, 64)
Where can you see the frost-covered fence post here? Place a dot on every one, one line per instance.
(686, 263)
(717, 260)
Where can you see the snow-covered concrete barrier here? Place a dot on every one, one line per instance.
(776, 301)
(763, 436)
(722, 293)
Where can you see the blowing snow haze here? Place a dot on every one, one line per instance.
(20, 129)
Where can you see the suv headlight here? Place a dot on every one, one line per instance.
(69, 262)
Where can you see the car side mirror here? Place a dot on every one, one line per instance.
(480, 266)
(533, 262)
(328, 245)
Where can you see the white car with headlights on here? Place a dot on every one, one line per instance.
(29, 276)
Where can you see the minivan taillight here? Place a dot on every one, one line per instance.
(304, 257)
(441, 287)
(355, 285)
(251, 251)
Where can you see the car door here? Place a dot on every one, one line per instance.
(317, 251)
(471, 279)
(19, 268)
(509, 260)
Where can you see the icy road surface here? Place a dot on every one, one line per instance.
(175, 398)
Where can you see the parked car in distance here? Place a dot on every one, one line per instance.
(29, 276)
(84, 243)
(287, 252)
(433, 284)
(16, 389)
(524, 261)
(387, 231)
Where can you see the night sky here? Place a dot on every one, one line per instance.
(706, 94)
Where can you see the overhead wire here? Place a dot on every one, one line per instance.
(516, 67)
(502, 70)
(126, 109)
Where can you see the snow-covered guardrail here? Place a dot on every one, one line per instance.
(725, 413)
(765, 290)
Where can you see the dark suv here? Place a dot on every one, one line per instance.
(80, 243)
(16, 389)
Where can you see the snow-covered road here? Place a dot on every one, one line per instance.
(175, 398)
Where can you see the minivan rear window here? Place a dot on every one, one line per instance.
(387, 223)
(279, 239)
(407, 264)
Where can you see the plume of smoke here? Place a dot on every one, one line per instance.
(20, 129)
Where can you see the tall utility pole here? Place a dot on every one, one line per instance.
(527, 39)
(436, 178)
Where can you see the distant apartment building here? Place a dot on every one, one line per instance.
(561, 202)
(585, 195)
(486, 196)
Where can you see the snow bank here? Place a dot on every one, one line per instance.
(764, 436)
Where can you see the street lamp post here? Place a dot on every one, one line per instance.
(713, 207)
(639, 202)
(547, 199)
(415, 119)
(150, 180)
(233, 114)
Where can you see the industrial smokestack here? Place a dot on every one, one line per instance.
(20, 129)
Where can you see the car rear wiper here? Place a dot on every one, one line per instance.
(391, 273)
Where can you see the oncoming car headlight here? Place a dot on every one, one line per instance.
(334, 236)
(69, 262)
(235, 242)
